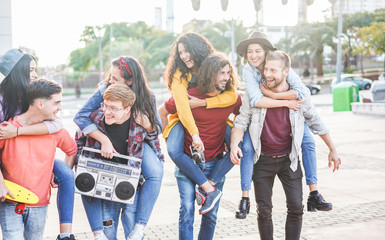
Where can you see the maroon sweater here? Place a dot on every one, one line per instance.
(211, 124)
(276, 132)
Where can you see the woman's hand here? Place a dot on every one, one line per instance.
(143, 121)
(196, 102)
(7, 130)
(197, 143)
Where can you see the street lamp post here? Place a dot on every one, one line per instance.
(100, 35)
(339, 35)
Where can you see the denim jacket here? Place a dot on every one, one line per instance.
(254, 118)
(82, 117)
(252, 77)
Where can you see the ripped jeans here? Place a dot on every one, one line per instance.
(97, 209)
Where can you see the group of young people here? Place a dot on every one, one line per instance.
(271, 126)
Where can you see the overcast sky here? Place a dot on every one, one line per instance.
(53, 28)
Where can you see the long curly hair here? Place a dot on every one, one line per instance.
(14, 87)
(209, 70)
(144, 100)
(198, 47)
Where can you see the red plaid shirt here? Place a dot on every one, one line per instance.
(136, 136)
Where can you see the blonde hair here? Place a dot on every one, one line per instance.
(281, 56)
(120, 92)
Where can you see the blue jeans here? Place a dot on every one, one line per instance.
(309, 156)
(99, 210)
(126, 212)
(66, 191)
(186, 164)
(152, 170)
(247, 161)
(28, 226)
(186, 211)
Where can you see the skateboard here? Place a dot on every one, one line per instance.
(22, 196)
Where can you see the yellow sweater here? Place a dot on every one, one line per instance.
(184, 114)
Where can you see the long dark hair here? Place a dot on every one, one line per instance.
(13, 88)
(198, 47)
(144, 100)
(211, 66)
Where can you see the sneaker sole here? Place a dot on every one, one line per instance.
(212, 205)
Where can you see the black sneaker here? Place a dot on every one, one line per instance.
(315, 202)
(211, 199)
(71, 237)
(243, 209)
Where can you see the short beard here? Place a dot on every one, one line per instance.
(219, 89)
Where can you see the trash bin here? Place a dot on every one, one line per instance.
(378, 91)
(344, 94)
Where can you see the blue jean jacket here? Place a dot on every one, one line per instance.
(252, 78)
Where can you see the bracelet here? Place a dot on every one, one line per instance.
(17, 131)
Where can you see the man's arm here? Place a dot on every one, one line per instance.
(70, 160)
(333, 156)
(235, 150)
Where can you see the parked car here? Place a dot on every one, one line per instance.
(362, 83)
(314, 88)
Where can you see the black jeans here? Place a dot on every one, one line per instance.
(264, 173)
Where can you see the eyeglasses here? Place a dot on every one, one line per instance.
(111, 109)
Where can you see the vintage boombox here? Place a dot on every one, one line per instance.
(100, 177)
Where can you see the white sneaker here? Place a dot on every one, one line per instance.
(100, 236)
(137, 233)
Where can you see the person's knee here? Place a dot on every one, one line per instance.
(65, 174)
(295, 208)
(264, 212)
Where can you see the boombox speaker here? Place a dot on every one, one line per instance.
(104, 178)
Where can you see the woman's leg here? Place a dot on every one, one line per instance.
(224, 165)
(185, 164)
(65, 195)
(309, 157)
(246, 170)
(93, 208)
(309, 161)
(152, 170)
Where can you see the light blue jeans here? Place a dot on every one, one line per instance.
(28, 226)
(247, 161)
(187, 206)
(187, 165)
(64, 177)
(309, 158)
(152, 170)
(99, 210)
(126, 212)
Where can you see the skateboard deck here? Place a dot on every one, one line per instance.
(21, 194)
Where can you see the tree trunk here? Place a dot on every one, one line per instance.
(362, 64)
(320, 71)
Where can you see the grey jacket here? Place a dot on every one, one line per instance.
(254, 118)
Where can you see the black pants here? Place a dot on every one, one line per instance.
(264, 174)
